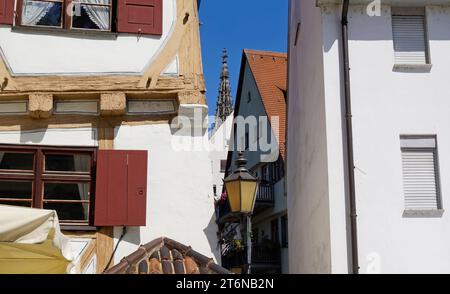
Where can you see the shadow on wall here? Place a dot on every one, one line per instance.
(33, 137)
(133, 235)
(211, 234)
(377, 28)
(38, 136)
(185, 128)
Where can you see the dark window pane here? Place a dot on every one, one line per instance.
(69, 211)
(223, 165)
(284, 231)
(41, 13)
(16, 161)
(68, 163)
(14, 189)
(91, 17)
(16, 203)
(66, 191)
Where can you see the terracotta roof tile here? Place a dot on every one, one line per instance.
(166, 256)
(270, 72)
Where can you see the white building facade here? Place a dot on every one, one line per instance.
(399, 64)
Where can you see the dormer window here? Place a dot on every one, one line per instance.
(77, 14)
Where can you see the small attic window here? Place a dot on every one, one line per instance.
(150, 106)
(83, 107)
(13, 107)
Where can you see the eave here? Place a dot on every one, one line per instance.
(387, 2)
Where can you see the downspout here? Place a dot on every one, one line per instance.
(349, 139)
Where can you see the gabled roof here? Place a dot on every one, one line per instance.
(270, 72)
(166, 256)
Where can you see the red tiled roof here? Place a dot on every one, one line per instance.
(270, 72)
(166, 256)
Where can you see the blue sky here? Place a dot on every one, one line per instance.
(235, 25)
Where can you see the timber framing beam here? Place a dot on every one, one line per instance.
(184, 43)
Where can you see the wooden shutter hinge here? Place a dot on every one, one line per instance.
(139, 34)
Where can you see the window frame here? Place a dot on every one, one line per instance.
(412, 11)
(284, 231)
(39, 176)
(439, 204)
(57, 102)
(66, 20)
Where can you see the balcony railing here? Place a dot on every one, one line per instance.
(262, 255)
(265, 194)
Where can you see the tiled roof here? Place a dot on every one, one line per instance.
(270, 72)
(166, 256)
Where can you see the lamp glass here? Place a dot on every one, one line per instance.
(234, 195)
(248, 194)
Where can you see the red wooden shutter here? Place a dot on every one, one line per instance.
(140, 16)
(6, 12)
(121, 188)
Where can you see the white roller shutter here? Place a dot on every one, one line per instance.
(409, 36)
(419, 178)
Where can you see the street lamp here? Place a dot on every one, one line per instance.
(241, 187)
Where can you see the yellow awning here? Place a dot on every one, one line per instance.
(41, 258)
(31, 242)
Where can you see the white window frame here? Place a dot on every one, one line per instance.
(425, 143)
(412, 11)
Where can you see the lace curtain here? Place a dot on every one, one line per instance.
(98, 14)
(34, 11)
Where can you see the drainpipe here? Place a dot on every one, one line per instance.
(349, 139)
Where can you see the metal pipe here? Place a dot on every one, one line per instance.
(249, 244)
(349, 139)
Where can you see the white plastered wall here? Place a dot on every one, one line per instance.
(28, 52)
(180, 202)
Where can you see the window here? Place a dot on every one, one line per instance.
(410, 37)
(49, 178)
(266, 174)
(420, 173)
(82, 14)
(247, 139)
(274, 231)
(136, 106)
(284, 231)
(273, 172)
(13, 107)
(84, 107)
(277, 170)
(223, 165)
(137, 17)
